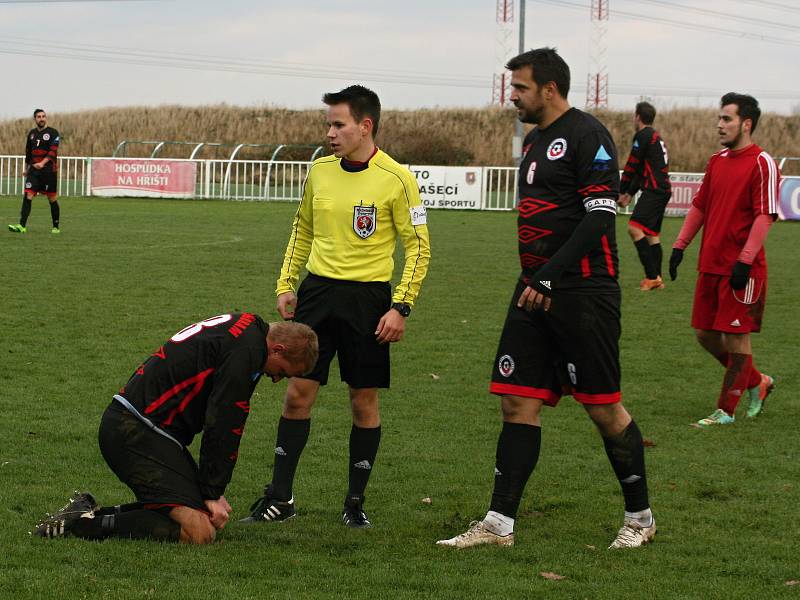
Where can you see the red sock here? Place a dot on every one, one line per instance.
(755, 374)
(755, 377)
(734, 384)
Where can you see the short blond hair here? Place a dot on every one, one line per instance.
(302, 345)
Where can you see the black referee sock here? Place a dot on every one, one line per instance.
(138, 524)
(292, 438)
(25, 212)
(646, 258)
(656, 256)
(55, 213)
(364, 444)
(517, 454)
(626, 453)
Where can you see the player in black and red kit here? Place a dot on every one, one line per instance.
(41, 171)
(199, 381)
(647, 169)
(562, 329)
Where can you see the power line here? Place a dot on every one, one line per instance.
(766, 4)
(719, 14)
(683, 24)
(172, 59)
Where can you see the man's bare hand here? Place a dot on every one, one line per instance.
(219, 509)
(530, 300)
(287, 302)
(391, 327)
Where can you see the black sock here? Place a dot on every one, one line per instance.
(364, 444)
(517, 453)
(118, 509)
(134, 524)
(292, 438)
(626, 453)
(646, 257)
(55, 213)
(26, 210)
(656, 255)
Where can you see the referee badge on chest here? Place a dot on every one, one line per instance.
(365, 220)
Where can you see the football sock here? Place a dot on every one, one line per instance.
(517, 453)
(134, 524)
(642, 517)
(626, 453)
(118, 509)
(734, 383)
(364, 444)
(645, 257)
(656, 257)
(55, 213)
(755, 375)
(292, 437)
(26, 210)
(499, 524)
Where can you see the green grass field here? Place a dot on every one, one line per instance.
(80, 310)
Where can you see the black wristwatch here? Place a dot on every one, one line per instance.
(402, 308)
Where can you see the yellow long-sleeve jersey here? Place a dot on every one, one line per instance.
(349, 220)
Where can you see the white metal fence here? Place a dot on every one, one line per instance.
(239, 180)
(73, 176)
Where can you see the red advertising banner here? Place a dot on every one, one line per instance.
(684, 187)
(143, 177)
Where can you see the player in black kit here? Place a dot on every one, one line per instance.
(41, 171)
(647, 169)
(562, 328)
(200, 380)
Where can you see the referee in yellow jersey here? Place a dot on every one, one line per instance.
(355, 205)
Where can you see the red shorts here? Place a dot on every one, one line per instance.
(718, 307)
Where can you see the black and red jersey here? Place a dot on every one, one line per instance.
(648, 164)
(41, 144)
(568, 169)
(201, 380)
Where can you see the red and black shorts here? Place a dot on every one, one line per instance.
(344, 315)
(159, 471)
(571, 349)
(718, 307)
(41, 181)
(648, 214)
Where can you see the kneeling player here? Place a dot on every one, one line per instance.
(200, 380)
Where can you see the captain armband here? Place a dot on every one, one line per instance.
(604, 204)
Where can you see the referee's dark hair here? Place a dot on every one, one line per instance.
(37, 111)
(646, 112)
(547, 66)
(747, 107)
(362, 101)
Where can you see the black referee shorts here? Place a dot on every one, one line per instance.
(344, 315)
(648, 214)
(41, 181)
(571, 349)
(158, 470)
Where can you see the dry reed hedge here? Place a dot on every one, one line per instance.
(427, 136)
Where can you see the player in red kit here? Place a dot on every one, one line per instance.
(736, 205)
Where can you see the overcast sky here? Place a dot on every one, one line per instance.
(70, 55)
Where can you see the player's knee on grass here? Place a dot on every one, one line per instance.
(196, 527)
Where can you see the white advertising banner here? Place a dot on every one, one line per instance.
(449, 187)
